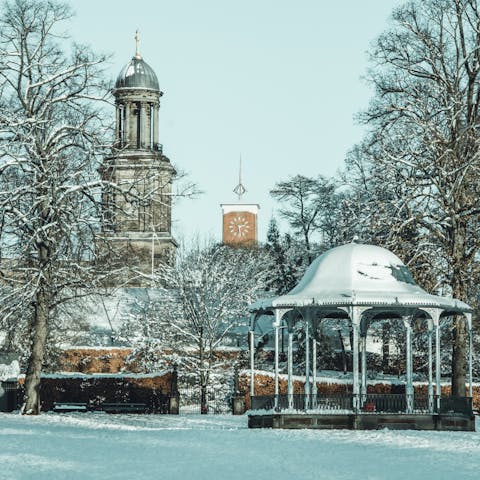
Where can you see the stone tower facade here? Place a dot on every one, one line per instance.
(138, 218)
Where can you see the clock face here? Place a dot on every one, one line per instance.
(239, 226)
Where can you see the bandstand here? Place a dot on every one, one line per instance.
(361, 284)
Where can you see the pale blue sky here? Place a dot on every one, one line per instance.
(278, 82)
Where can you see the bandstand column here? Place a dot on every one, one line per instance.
(430, 368)
(363, 345)
(314, 370)
(409, 386)
(277, 328)
(438, 388)
(355, 328)
(290, 368)
(307, 363)
(252, 363)
(470, 354)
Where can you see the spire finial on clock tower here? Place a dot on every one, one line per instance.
(240, 190)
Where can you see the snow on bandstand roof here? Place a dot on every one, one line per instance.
(356, 274)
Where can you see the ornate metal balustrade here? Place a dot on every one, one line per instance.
(462, 405)
(371, 403)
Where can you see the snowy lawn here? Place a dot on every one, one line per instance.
(100, 446)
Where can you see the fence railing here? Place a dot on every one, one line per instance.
(337, 401)
(9, 392)
(388, 403)
(456, 405)
(371, 403)
(216, 402)
(340, 401)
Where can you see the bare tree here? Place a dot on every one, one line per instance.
(309, 208)
(51, 136)
(202, 301)
(424, 137)
(286, 260)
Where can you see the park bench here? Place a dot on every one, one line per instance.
(64, 407)
(121, 407)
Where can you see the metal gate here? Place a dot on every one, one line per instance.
(217, 401)
(9, 396)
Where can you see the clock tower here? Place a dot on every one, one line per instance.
(240, 226)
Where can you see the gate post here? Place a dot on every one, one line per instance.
(174, 400)
(238, 400)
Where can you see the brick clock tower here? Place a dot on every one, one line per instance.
(240, 225)
(139, 219)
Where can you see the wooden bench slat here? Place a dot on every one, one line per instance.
(70, 407)
(123, 407)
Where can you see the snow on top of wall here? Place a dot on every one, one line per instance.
(102, 375)
(95, 348)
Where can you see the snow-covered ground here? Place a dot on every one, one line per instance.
(99, 446)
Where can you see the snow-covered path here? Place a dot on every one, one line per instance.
(99, 446)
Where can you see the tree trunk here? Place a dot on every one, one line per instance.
(203, 399)
(459, 342)
(459, 352)
(307, 247)
(39, 333)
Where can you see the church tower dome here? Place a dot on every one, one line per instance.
(137, 74)
(137, 101)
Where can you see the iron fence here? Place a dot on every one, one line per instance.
(332, 402)
(387, 403)
(9, 396)
(216, 402)
(370, 403)
(456, 405)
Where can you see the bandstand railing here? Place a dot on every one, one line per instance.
(341, 401)
(456, 405)
(371, 403)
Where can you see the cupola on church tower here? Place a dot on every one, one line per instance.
(140, 220)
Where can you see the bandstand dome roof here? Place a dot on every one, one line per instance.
(363, 275)
(137, 74)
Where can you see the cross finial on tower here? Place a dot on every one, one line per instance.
(137, 44)
(240, 189)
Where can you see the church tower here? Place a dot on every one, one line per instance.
(140, 221)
